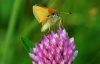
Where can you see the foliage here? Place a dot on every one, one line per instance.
(17, 20)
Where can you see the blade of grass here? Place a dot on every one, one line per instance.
(26, 31)
(10, 29)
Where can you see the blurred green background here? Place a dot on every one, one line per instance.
(17, 19)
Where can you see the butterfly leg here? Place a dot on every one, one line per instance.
(49, 26)
(61, 22)
(53, 27)
(49, 29)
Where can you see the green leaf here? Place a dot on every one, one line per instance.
(27, 44)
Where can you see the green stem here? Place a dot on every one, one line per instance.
(26, 31)
(10, 29)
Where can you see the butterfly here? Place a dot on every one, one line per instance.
(47, 17)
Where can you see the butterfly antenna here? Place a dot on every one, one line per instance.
(66, 12)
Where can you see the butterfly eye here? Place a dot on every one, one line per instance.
(53, 13)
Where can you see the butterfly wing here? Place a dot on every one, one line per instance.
(46, 25)
(40, 13)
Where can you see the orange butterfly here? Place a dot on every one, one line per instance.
(46, 16)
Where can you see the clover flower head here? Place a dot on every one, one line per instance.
(54, 48)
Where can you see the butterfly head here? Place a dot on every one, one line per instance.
(54, 16)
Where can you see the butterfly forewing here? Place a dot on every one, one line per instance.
(40, 13)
